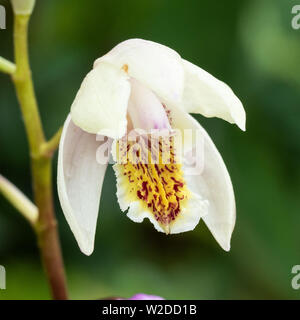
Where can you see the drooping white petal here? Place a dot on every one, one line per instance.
(209, 179)
(79, 180)
(210, 97)
(100, 105)
(155, 65)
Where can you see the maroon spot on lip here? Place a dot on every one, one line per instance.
(178, 182)
(157, 169)
(164, 181)
(172, 171)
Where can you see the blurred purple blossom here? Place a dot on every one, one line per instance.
(143, 296)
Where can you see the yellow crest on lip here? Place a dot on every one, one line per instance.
(149, 173)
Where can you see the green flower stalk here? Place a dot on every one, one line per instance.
(42, 218)
(19, 200)
(7, 66)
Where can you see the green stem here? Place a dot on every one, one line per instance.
(19, 200)
(7, 66)
(41, 165)
(48, 148)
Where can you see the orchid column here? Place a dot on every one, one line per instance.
(41, 152)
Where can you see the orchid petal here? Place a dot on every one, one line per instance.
(212, 182)
(80, 179)
(155, 65)
(100, 105)
(211, 97)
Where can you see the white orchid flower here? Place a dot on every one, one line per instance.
(140, 84)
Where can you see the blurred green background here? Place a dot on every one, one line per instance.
(248, 44)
